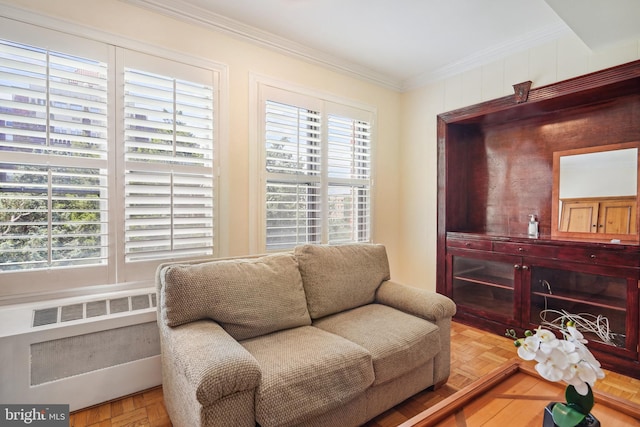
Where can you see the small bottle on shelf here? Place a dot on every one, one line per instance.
(533, 227)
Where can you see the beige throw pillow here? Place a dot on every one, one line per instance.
(341, 277)
(247, 297)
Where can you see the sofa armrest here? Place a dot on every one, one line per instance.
(429, 305)
(211, 363)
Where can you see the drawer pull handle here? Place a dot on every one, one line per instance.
(592, 256)
(520, 249)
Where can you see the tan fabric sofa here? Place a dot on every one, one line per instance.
(317, 337)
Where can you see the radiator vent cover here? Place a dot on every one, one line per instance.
(65, 357)
(87, 310)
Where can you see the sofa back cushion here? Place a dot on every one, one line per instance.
(338, 278)
(247, 297)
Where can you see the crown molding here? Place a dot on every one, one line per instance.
(34, 17)
(486, 56)
(187, 12)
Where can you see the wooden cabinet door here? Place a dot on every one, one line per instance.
(579, 216)
(617, 216)
(602, 294)
(485, 286)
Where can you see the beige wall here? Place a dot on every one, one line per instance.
(243, 58)
(548, 63)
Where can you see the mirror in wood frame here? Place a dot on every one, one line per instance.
(595, 193)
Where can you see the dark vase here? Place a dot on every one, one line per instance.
(589, 420)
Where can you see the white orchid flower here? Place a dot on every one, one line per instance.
(587, 356)
(572, 334)
(548, 340)
(566, 359)
(552, 365)
(580, 386)
(568, 347)
(528, 347)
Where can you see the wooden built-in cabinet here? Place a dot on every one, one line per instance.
(496, 168)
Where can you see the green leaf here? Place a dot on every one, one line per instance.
(566, 416)
(585, 403)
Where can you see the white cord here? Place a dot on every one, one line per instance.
(584, 322)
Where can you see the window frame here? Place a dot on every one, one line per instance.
(52, 34)
(264, 88)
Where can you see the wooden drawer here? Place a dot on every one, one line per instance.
(484, 245)
(600, 256)
(525, 249)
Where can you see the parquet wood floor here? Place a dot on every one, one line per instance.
(474, 353)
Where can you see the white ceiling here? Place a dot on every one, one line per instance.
(406, 43)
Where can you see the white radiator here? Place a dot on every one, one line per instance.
(79, 351)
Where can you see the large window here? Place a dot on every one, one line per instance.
(317, 170)
(53, 164)
(106, 161)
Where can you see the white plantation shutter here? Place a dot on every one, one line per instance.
(317, 172)
(293, 164)
(349, 176)
(169, 180)
(53, 159)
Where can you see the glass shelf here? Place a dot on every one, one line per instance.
(581, 293)
(489, 273)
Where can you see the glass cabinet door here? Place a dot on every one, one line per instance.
(597, 301)
(485, 286)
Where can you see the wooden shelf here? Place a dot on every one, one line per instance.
(485, 280)
(603, 301)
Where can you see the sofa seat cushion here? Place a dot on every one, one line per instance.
(398, 342)
(305, 372)
(247, 297)
(341, 277)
